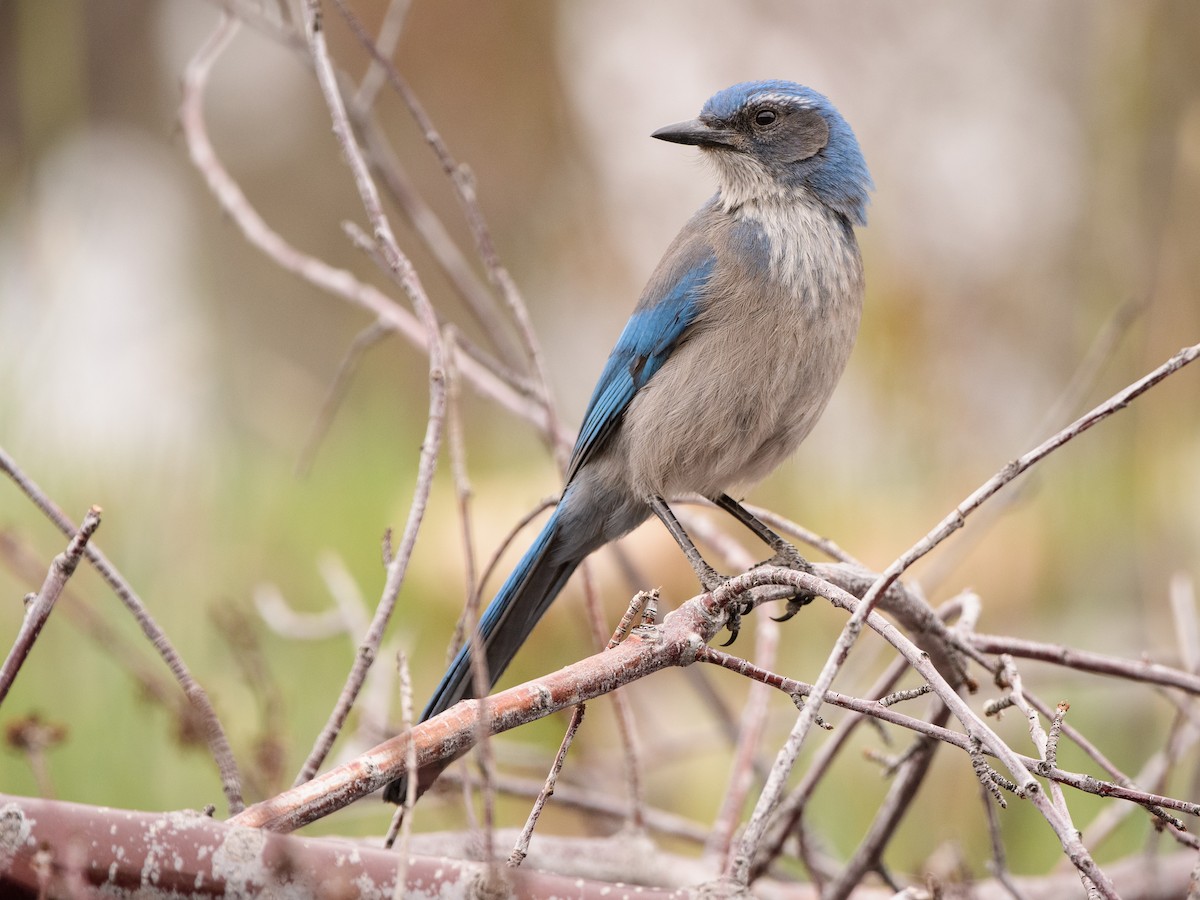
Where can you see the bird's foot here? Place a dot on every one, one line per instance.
(789, 557)
(710, 580)
(733, 618)
(799, 600)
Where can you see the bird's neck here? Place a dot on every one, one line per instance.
(807, 243)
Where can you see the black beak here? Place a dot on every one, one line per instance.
(696, 133)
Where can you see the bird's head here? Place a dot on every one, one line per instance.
(779, 139)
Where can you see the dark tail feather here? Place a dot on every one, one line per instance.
(505, 625)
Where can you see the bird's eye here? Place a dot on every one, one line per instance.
(765, 117)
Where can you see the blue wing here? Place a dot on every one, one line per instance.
(647, 341)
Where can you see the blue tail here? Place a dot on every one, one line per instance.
(505, 625)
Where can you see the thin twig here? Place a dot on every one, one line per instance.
(449, 258)
(462, 179)
(899, 800)
(1010, 675)
(901, 696)
(1182, 595)
(643, 601)
(626, 726)
(339, 282)
(482, 683)
(750, 733)
(236, 624)
(644, 604)
(254, 13)
(1056, 726)
(125, 652)
(402, 820)
(493, 561)
(214, 733)
(403, 272)
(521, 848)
(336, 394)
(470, 615)
(786, 760)
(1086, 661)
(592, 803)
(789, 816)
(37, 612)
(1081, 741)
(458, 469)
(999, 861)
(788, 819)
(389, 37)
(1086, 374)
(793, 529)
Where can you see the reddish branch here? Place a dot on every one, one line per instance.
(57, 849)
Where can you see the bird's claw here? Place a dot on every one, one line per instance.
(710, 580)
(733, 620)
(789, 557)
(794, 605)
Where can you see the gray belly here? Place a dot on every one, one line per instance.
(730, 405)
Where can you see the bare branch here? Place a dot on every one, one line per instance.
(869, 855)
(385, 44)
(38, 610)
(404, 273)
(247, 863)
(320, 274)
(464, 182)
(626, 727)
(521, 849)
(1085, 376)
(680, 640)
(750, 733)
(595, 804)
(214, 734)
(1085, 661)
(773, 792)
(363, 341)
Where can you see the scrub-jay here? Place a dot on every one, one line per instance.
(726, 363)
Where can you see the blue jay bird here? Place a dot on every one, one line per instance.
(726, 363)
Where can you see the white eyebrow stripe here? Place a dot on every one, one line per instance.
(784, 99)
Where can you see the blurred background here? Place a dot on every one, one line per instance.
(1038, 197)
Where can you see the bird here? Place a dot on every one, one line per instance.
(726, 363)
